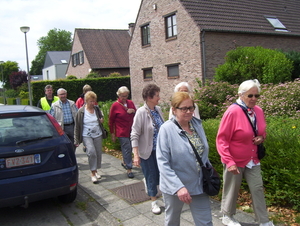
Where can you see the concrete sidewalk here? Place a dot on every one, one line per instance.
(122, 212)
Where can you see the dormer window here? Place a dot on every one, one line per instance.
(275, 22)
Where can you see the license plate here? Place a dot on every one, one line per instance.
(23, 160)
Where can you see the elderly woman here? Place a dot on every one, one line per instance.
(146, 124)
(120, 121)
(237, 146)
(89, 129)
(185, 87)
(180, 172)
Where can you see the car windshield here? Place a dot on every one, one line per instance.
(17, 129)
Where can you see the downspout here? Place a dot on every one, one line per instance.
(203, 57)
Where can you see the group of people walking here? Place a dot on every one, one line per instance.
(164, 150)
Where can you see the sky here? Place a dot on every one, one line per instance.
(43, 16)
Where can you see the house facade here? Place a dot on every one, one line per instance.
(185, 40)
(55, 66)
(102, 51)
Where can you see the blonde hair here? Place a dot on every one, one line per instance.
(90, 95)
(178, 97)
(86, 88)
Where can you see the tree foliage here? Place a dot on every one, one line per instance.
(8, 67)
(56, 40)
(16, 79)
(266, 65)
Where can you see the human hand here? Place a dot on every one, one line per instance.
(184, 195)
(101, 120)
(258, 140)
(113, 137)
(136, 161)
(130, 111)
(233, 169)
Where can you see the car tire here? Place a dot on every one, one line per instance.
(68, 198)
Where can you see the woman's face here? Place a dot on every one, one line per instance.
(90, 102)
(123, 97)
(249, 97)
(180, 114)
(154, 100)
(183, 89)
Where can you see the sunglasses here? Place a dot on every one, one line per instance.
(255, 95)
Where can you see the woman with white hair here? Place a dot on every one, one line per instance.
(120, 121)
(185, 87)
(242, 128)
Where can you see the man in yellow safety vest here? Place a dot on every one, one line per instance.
(46, 101)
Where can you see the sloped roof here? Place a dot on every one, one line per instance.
(244, 15)
(105, 48)
(56, 57)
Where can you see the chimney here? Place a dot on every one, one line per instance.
(131, 28)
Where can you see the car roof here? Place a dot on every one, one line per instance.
(19, 108)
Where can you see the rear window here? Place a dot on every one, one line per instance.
(17, 129)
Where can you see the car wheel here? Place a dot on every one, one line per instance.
(68, 198)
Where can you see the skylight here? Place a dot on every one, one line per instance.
(275, 22)
(64, 61)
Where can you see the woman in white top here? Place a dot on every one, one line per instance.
(89, 129)
(185, 87)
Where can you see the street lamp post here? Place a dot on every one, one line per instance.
(25, 30)
(1, 62)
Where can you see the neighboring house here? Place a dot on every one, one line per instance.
(99, 50)
(56, 64)
(185, 40)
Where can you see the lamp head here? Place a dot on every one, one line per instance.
(25, 29)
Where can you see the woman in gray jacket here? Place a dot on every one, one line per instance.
(180, 173)
(146, 124)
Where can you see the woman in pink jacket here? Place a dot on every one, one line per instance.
(237, 146)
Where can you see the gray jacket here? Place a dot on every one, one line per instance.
(142, 131)
(176, 160)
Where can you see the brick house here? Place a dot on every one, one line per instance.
(185, 40)
(99, 50)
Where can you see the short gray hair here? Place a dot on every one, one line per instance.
(248, 84)
(178, 86)
(122, 89)
(61, 89)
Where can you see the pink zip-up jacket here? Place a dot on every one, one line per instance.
(235, 135)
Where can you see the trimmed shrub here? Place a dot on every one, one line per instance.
(266, 65)
(69, 77)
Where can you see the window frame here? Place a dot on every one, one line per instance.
(145, 35)
(172, 66)
(145, 74)
(172, 27)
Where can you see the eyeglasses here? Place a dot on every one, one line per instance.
(185, 109)
(251, 95)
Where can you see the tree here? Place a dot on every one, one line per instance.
(56, 40)
(16, 79)
(8, 67)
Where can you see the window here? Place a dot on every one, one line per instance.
(173, 70)
(145, 35)
(147, 73)
(81, 57)
(77, 58)
(171, 26)
(276, 23)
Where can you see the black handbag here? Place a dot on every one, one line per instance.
(211, 178)
(261, 150)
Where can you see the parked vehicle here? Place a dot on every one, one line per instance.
(37, 160)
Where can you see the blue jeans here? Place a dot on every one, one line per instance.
(151, 173)
(126, 151)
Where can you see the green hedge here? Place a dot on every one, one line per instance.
(105, 88)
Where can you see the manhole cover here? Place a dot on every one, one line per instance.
(133, 193)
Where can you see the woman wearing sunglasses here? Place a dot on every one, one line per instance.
(237, 146)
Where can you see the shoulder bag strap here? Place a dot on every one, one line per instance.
(194, 149)
(254, 130)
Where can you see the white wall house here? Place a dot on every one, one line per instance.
(56, 64)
